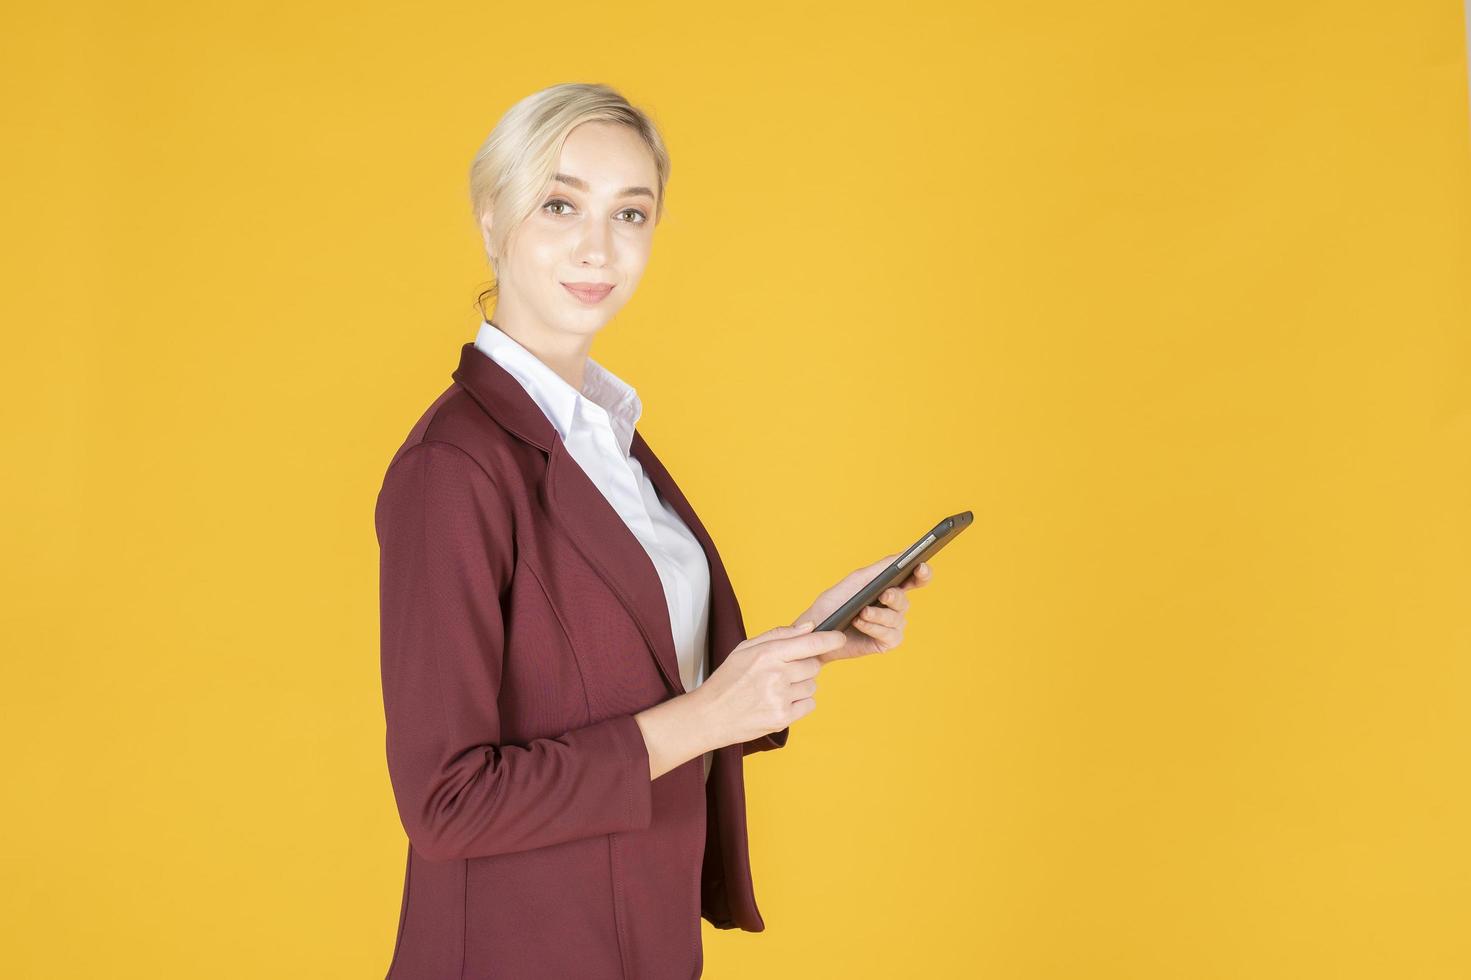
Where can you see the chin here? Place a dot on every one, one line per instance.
(584, 321)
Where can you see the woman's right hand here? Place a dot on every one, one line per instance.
(766, 683)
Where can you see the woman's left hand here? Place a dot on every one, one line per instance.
(876, 628)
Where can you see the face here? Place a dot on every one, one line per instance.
(595, 226)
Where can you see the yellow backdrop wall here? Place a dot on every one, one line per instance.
(1189, 283)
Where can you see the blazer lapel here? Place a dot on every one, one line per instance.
(597, 529)
(724, 630)
(591, 522)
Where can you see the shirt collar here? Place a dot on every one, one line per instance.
(605, 398)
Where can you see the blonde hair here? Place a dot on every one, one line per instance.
(514, 166)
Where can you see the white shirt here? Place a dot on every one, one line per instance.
(597, 424)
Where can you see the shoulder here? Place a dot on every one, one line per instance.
(441, 489)
(456, 429)
(439, 511)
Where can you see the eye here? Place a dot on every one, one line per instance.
(638, 220)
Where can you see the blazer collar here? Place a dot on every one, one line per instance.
(603, 393)
(595, 526)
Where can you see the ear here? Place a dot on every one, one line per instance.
(485, 222)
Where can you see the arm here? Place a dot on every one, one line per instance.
(446, 554)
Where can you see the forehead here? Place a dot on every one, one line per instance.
(608, 158)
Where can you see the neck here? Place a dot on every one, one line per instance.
(564, 353)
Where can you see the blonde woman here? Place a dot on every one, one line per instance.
(569, 689)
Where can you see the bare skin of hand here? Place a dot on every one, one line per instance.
(766, 683)
(875, 629)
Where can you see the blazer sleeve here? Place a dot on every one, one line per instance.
(446, 554)
(772, 740)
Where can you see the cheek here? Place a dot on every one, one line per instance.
(542, 254)
(633, 259)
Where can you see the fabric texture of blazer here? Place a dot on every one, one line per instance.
(522, 627)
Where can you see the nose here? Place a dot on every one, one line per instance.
(594, 245)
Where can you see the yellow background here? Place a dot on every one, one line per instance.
(1173, 296)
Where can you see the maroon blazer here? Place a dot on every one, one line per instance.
(523, 626)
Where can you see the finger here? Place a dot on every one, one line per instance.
(811, 644)
(779, 633)
(881, 615)
(800, 670)
(792, 630)
(894, 598)
(887, 636)
(920, 577)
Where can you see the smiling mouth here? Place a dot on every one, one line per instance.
(589, 293)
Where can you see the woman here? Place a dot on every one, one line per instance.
(568, 685)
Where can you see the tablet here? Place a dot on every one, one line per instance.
(898, 570)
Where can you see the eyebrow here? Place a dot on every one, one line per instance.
(581, 185)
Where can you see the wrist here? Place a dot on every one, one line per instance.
(701, 720)
(674, 732)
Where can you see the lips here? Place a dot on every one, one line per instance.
(588, 292)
